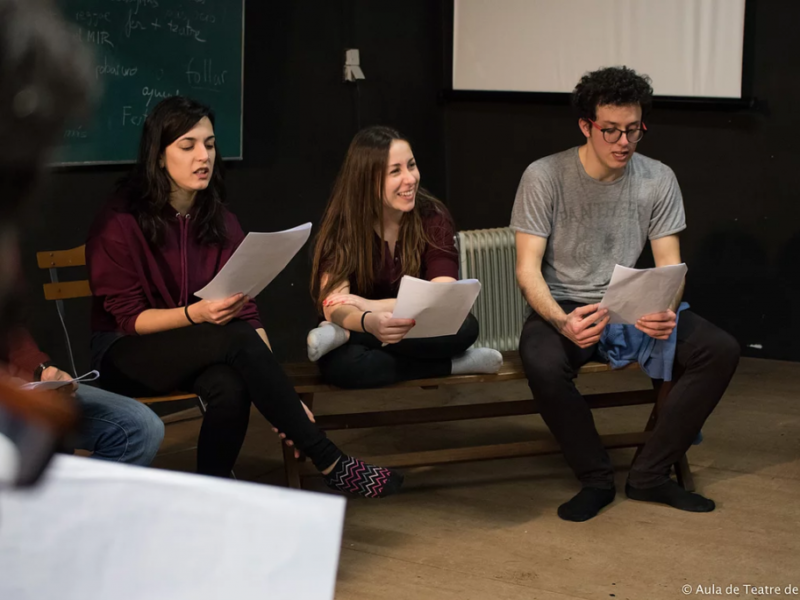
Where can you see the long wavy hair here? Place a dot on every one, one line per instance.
(344, 245)
(147, 188)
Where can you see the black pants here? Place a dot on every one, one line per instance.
(228, 367)
(705, 360)
(364, 363)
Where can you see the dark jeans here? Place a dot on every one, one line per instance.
(705, 360)
(228, 367)
(364, 363)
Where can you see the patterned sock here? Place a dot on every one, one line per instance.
(357, 477)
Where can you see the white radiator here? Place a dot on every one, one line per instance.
(489, 255)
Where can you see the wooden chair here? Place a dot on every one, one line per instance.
(58, 291)
(308, 382)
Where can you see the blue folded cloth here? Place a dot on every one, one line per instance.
(620, 345)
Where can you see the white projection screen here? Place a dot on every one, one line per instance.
(690, 48)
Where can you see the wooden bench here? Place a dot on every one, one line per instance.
(308, 382)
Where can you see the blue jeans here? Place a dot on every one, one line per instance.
(117, 428)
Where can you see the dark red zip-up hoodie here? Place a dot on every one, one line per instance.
(22, 355)
(128, 276)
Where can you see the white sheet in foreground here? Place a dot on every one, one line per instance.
(439, 308)
(94, 530)
(256, 262)
(634, 293)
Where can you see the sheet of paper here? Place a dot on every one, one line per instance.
(439, 308)
(256, 262)
(634, 293)
(94, 530)
(54, 385)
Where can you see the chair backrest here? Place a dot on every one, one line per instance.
(56, 259)
(64, 290)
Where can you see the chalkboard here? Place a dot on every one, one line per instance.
(147, 50)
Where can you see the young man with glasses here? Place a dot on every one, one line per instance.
(576, 215)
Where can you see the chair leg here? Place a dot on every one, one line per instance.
(684, 474)
(308, 400)
(202, 406)
(290, 465)
(660, 393)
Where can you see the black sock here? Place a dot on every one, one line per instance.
(357, 477)
(672, 494)
(586, 503)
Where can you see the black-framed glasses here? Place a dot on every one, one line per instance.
(612, 134)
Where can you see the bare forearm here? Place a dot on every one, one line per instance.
(538, 295)
(154, 320)
(337, 313)
(345, 316)
(386, 305)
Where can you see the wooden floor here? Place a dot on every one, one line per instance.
(490, 531)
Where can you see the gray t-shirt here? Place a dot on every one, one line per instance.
(592, 225)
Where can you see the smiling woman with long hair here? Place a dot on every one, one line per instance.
(165, 235)
(378, 226)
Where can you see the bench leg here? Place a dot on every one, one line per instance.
(684, 474)
(682, 471)
(661, 390)
(202, 406)
(308, 400)
(290, 463)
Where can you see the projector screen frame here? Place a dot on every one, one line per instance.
(747, 101)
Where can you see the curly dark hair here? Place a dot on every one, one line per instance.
(615, 86)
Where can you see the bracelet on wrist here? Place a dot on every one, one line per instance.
(186, 312)
(37, 373)
(364, 316)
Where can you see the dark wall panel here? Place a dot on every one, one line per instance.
(299, 118)
(737, 171)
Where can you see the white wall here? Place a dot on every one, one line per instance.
(688, 47)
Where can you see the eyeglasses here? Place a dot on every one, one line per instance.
(612, 134)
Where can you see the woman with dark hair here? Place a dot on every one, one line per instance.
(378, 226)
(165, 235)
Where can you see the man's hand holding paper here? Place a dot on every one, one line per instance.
(658, 325)
(644, 298)
(584, 325)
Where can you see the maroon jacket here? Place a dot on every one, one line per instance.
(24, 355)
(128, 276)
(438, 260)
